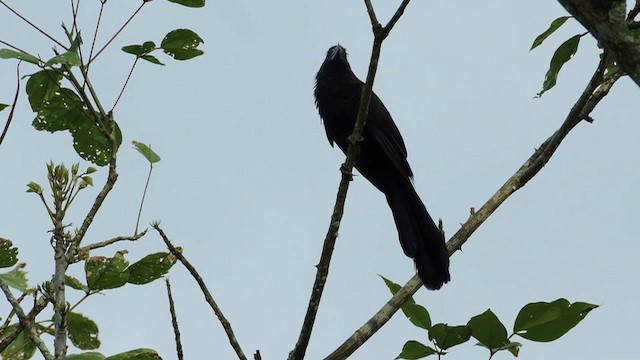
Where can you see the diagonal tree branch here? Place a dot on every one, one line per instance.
(380, 33)
(8, 338)
(205, 291)
(597, 88)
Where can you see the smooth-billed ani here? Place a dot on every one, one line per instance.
(383, 161)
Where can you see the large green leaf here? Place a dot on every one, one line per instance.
(83, 332)
(189, 3)
(12, 54)
(182, 44)
(417, 314)
(15, 278)
(106, 273)
(41, 87)
(415, 350)
(8, 253)
(150, 268)
(138, 354)
(488, 330)
(64, 110)
(543, 321)
(555, 24)
(449, 336)
(563, 54)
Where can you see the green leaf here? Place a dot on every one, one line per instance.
(68, 58)
(90, 170)
(138, 354)
(449, 336)
(106, 273)
(563, 54)
(150, 268)
(545, 322)
(3, 106)
(41, 87)
(189, 3)
(83, 332)
(92, 355)
(417, 314)
(151, 59)
(16, 279)
(64, 110)
(146, 151)
(139, 50)
(74, 283)
(8, 253)
(513, 347)
(20, 349)
(12, 54)
(33, 187)
(488, 330)
(87, 179)
(415, 350)
(555, 24)
(182, 44)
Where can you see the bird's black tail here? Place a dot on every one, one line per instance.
(419, 236)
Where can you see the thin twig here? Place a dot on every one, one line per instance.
(207, 295)
(174, 320)
(33, 25)
(106, 243)
(118, 32)
(322, 272)
(125, 83)
(95, 36)
(597, 88)
(26, 322)
(144, 194)
(13, 46)
(13, 106)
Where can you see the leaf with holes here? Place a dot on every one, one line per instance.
(150, 268)
(182, 44)
(8, 253)
(83, 332)
(106, 273)
(41, 87)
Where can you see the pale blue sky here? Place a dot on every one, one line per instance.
(247, 179)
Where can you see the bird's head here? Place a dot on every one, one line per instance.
(335, 62)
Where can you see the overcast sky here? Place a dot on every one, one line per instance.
(247, 179)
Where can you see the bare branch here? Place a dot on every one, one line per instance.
(26, 322)
(106, 243)
(595, 90)
(39, 305)
(13, 106)
(174, 320)
(117, 32)
(205, 291)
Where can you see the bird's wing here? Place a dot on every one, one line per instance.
(385, 132)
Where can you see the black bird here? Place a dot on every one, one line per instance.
(383, 161)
